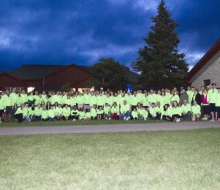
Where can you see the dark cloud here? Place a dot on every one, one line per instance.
(199, 25)
(63, 32)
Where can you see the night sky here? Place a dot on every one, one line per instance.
(83, 31)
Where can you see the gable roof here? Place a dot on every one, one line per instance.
(34, 72)
(210, 53)
(67, 68)
(8, 75)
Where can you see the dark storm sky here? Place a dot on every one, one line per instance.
(83, 31)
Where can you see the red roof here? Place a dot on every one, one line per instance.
(212, 51)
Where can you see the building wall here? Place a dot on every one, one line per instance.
(33, 83)
(7, 81)
(71, 75)
(211, 70)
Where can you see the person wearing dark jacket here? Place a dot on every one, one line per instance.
(198, 97)
(183, 96)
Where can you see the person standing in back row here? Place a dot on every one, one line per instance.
(218, 105)
(212, 95)
(205, 104)
(183, 96)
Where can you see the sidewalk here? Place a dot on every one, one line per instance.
(106, 128)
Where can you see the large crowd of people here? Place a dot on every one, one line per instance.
(166, 104)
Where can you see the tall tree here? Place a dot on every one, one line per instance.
(108, 73)
(159, 62)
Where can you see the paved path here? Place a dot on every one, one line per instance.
(106, 128)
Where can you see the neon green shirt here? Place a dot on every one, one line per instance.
(134, 114)
(115, 110)
(66, 112)
(37, 111)
(51, 113)
(196, 109)
(93, 112)
(2, 104)
(19, 111)
(186, 108)
(44, 114)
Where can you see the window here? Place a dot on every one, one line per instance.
(207, 82)
(17, 89)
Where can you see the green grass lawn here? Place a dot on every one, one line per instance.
(141, 160)
(70, 122)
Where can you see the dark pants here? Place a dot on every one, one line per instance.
(13, 112)
(75, 117)
(64, 118)
(157, 117)
(205, 109)
(37, 118)
(218, 111)
(19, 117)
(187, 116)
(175, 115)
(51, 119)
(93, 118)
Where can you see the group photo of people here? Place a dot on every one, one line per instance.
(174, 105)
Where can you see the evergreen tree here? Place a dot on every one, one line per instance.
(108, 73)
(159, 62)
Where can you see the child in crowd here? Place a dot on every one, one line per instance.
(100, 113)
(44, 114)
(87, 114)
(66, 112)
(81, 114)
(19, 114)
(31, 112)
(167, 115)
(58, 112)
(140, 112)
(145, 113)
(196, 111)
(115, 111)
(176, 112)
(153, 112)
(37, 113)
(134, 114)
(25, 114)
(107, 111)
(51, 113)
(93, 112)
(74, 114)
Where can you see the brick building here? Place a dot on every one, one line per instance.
(44, 77)
(50, 77)
(207, 70)
(8, 82)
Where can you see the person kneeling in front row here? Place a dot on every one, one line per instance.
(19, 114)
(196, 111)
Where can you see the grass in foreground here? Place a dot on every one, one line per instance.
(140, 160)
